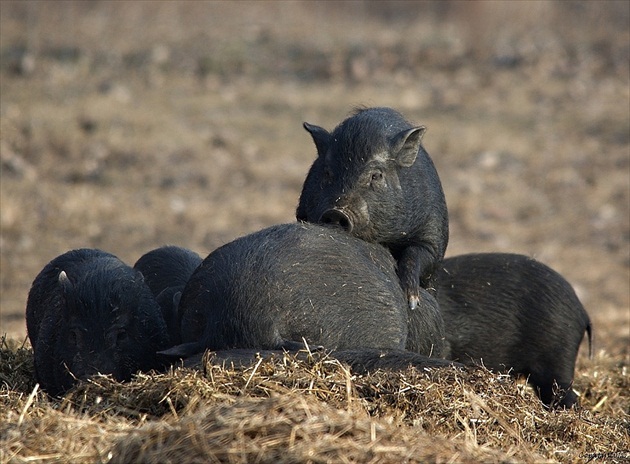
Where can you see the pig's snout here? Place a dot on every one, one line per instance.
(337, 217)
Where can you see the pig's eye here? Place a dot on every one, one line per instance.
(121, 336)
(328, 175)
(74, 336)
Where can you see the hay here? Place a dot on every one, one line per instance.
(16, 365)
(310, 408)
(284, 429)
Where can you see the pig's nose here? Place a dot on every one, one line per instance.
(336, 217)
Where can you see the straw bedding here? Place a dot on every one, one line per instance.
(310, 408)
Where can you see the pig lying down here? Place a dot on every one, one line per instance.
(166, 271)
(275, 288)
(88, 312)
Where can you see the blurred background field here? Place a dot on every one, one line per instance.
(129, 125)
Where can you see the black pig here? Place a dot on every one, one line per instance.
(276, 287)
(166, 271)
(514, 313)
(88, 312)
(373, 178)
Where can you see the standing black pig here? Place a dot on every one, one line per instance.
(373, 178)
(88, 312)
(166, 271)
(514, 313)
(278, 286)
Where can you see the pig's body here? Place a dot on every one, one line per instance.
(276, 287)
(513, 313)
(166, 271)
(88, 312)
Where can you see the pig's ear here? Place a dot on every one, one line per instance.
(177, 297)
(406, 144)
(64, 282)
(139, 275)
(321, 137)
(67, 292)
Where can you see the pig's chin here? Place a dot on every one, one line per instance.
(363, 231)
(362, 225)
(367, 236)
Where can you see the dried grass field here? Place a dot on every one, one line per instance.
(129, 125)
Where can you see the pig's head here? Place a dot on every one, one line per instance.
(111, 324)
(355, 181)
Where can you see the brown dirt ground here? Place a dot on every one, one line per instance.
(129, 125)
(126, 126)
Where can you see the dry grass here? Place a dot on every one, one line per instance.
(289, 409)
(129, 125)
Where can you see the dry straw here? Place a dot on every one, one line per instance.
(309, 408)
